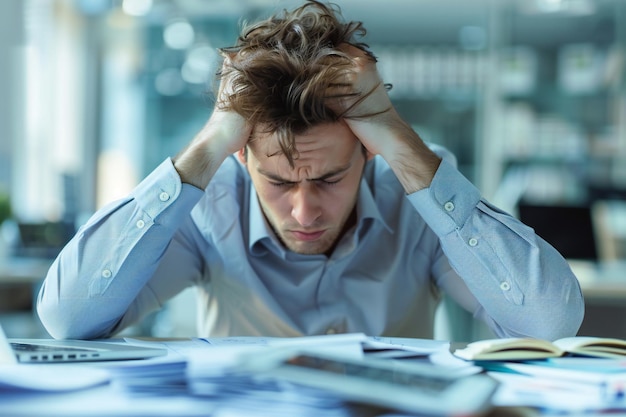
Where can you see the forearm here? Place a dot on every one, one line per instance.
(552, 306)
(371, 116)
(224, 133)
(524, 286)
(411, 160)
(389, 136)
(103, 269)
(198, 162)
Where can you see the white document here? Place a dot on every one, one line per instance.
(561, 384)
(54, 378)
(550, 394)
(423, 346)
(323, 341)
(208, 357)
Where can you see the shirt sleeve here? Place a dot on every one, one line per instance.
(100, 281)
(521, 285)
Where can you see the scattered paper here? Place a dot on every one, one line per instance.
(51, 377)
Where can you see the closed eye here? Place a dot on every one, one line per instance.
(281, 184)
(326, 182)
(285, 184)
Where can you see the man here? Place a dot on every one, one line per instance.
(304, 206)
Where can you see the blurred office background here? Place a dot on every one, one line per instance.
(529, 94)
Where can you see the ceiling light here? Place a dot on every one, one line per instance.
(137, 7)
(178, 34)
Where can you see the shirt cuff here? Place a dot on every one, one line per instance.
(161, 189)
(448, 202)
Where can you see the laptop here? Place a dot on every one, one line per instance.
(64, 351)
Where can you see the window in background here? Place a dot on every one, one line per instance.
(50, 146)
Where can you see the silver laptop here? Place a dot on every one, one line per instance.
(51, 350)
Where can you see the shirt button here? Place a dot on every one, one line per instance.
(106, 273)
(473, 241)
(505, 286)
(164, 196)
(140, 224)
(449, 206)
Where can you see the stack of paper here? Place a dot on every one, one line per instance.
(243, 395)
(561, 384)
(162, 376)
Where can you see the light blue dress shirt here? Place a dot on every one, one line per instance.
(385, 277)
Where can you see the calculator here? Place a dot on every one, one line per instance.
(420, 388)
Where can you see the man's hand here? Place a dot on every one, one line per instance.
(370, 108)
(373, 119)
(224, 133)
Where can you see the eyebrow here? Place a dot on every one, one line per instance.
(330, 174)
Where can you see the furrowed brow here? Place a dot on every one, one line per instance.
(274, 177)
(331, 174)
(277, 178)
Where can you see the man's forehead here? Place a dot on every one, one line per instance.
(318, 137)
(265, 144)
(315, 158)
(268, 140)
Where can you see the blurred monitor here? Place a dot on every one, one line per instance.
(568, 228)
(43, 240)
(605, 192)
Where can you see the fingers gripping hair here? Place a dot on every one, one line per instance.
(283, 69)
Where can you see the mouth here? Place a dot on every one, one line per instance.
(307, 236)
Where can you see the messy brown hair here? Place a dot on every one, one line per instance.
(285, 69)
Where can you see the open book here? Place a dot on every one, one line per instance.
(514, 349)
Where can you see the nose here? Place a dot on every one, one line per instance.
(306, 208)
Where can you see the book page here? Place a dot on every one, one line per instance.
(593, 346)
(509, 349)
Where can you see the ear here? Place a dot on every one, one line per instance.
(242, 155)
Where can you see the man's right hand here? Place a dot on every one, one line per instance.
(225, 132)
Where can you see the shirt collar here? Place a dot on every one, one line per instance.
(258, 226)
(261, 230)
(367, 208)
